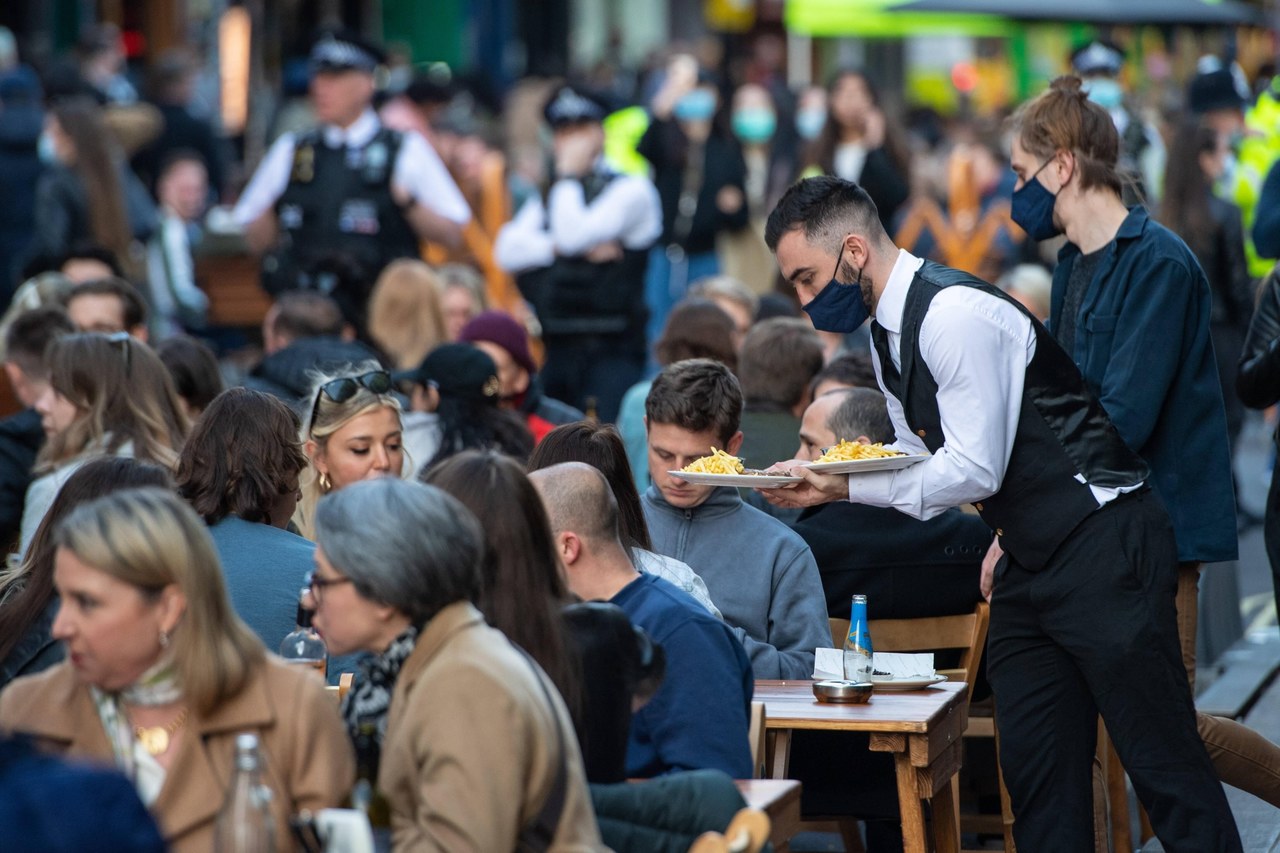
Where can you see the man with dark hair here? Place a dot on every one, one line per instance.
(847, 370)
(107, 305)
(1082, 615)
(779, 357)
(303, 331)
(88, 262)
(699, 717)
(907, 568)
(760, 574)
(22, 435)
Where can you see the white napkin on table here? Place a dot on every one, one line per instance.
(829, 664)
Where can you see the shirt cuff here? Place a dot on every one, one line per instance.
(873, 488)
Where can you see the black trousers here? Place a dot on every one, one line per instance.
(1271, 532)
(1095, 631)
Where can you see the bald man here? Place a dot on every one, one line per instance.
(698, 719)
(907, 568)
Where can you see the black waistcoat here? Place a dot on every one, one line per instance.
(575, 296)
(339, 200)
(1062, 430)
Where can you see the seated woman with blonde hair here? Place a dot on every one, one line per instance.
(161, 676)
(108, 395)
(406, 319)
(352, 431)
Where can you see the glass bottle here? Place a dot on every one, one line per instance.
(245, 824)
(857, 645)
(366, 796)
(303, 645)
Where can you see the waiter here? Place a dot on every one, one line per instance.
(1082, 616)
(350, 189)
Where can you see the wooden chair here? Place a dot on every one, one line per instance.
(755, 734)
(966, 632)
(746, 833)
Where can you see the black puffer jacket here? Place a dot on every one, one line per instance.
(290, 373)
(1258, 380)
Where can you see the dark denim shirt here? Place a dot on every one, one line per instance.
(36, 651)
(1142, 342)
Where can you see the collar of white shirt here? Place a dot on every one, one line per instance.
(893, 298)
(356, 135)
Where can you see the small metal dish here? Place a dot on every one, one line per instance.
(843, 692)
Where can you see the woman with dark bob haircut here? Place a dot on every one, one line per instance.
(239, 470)
(600, 446)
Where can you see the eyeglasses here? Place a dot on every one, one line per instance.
(122, 338)
(343, 388)
(317, 585)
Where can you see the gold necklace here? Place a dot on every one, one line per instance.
(155, 739)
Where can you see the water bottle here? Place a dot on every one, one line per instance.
(245, 824)
(857, 645)
(303, 645)
(366, 796)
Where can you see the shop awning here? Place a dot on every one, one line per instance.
(989, 17)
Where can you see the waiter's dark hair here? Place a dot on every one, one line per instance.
(827, 208)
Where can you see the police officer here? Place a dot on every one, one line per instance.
(580, 256)
(349, 192)
(1142, 152)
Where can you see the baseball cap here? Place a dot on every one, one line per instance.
(456, 370)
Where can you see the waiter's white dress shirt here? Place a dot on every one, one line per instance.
(977, 347)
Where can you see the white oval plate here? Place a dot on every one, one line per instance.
(749, 481)
(861, 466)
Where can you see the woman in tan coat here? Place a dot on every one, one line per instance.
(161, 675)
(478, 751)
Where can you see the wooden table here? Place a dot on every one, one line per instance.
(780, 800)
(921, 728)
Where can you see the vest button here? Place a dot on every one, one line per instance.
(920, 433)
(999, 531)
(978, 506)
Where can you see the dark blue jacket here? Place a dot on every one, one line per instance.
(1142, 343)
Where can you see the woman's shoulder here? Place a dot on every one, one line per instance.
(29, 699)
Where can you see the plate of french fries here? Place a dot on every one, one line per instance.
(851, 457)
(725, 469)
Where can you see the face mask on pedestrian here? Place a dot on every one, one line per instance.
(1033, 208)
(754, 125)
(698, 105)
(1104, 91)
(839, 307)
(809, 123)
(45, 150)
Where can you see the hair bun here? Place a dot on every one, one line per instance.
(1068, 84)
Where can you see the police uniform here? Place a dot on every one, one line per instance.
(1142, 152)
(331, 190)
(592, 313)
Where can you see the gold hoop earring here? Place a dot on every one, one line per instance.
(325, 483)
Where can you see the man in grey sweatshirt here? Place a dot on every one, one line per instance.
(761, 575)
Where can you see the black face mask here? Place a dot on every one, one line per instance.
(839, 307)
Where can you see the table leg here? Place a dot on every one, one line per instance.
(909, 803)
(946, 818)
(781, 754)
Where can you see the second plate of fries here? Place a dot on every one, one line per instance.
(850, 457)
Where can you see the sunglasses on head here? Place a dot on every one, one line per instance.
(343, 388)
